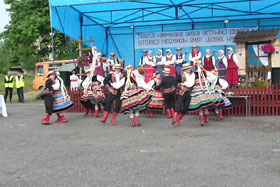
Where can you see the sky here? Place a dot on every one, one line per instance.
(4, 16)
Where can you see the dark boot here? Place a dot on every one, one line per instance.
(132, 122)
(115, 114)
(137, 121)
(86, 110)
(201, 120)
(46, 119)
(175, 116)
(105, 117)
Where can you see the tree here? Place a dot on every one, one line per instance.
(26, 39)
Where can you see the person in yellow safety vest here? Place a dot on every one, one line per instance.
(19, 81)
(9, 86)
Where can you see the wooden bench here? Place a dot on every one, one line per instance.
(247, 101)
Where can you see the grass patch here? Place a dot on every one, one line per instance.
(29, 93)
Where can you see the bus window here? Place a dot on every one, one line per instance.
(56, 66)
(40, 70)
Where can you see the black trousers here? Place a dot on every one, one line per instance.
(183, 103)
(20, 94)
(110, 99)
(169, 101)
(48, 100)
(7, 90)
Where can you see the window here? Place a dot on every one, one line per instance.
(40, 70)
(256, 57)
(56, 66)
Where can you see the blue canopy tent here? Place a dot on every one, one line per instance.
(113, 23)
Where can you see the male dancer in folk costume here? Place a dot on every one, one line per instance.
(202, 97)
(144, 58)
(185, 83)
(168, 86)
(111, 63)
(179, 60)
(222, 65)
(149, 69)
(209, 61)
(159, 62)
(114, 82)
(93, 93)
(194, 56)
(135, 96)
(156, 103)
(232, 68)
(169, 62)
(56, 98)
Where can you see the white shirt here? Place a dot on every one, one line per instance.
(224, 84)
(170, 61)
(140, 79)
(235, 59)
(142, 63)
(224, 60)
(190, 80)
(213, 61)
(110, 62)
(196, 58)
(153, 63)
(119, 82)
(74, 81)
(179, 61)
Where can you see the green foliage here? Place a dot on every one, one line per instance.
(26, 39)
(260, 83)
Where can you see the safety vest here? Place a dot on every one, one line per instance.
(19, 81)
(9, 81)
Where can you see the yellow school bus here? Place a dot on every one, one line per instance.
(42, 69)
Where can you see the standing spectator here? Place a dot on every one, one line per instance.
(195, 55)
(179, 60)
(209, 61)
(19, 81)
(232, 68)
(144, 58)
(74, 81)
(222, 65)
(9, 85)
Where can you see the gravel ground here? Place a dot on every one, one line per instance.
(236, 152)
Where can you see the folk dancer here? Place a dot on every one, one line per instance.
(219, 87)
(111, 63)
(185, 83)
(149, 69)
(179, 60)
(156, 103)
(202, 98)
(169, 62)
(222, 65)
(74, 81)
(114, 82)
(209, 61)
(232, 68)
(194, 56)
(168, 86)
(135, 96)
(159, 62)
(143, 59)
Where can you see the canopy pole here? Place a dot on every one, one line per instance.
(134, 49)
(52, 38)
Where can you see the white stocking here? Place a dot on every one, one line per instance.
(206, 111)
(131, 115)
(216, 110)
(96, 107)
(201, 112)
(137, 113)
(101, 106)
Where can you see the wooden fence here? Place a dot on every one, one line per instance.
(264, 101)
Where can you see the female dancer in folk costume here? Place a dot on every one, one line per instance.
(202, 97)
(232, 68)
(156, 103)
(159, 62)
(93, 94)
(185, 83)
(56, 98)
(135, 96)
(99, 65)
(114, 82)
(219, 87)
(222, 65)
(149, 67)
(169, 62)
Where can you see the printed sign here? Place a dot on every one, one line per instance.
(209, 37)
